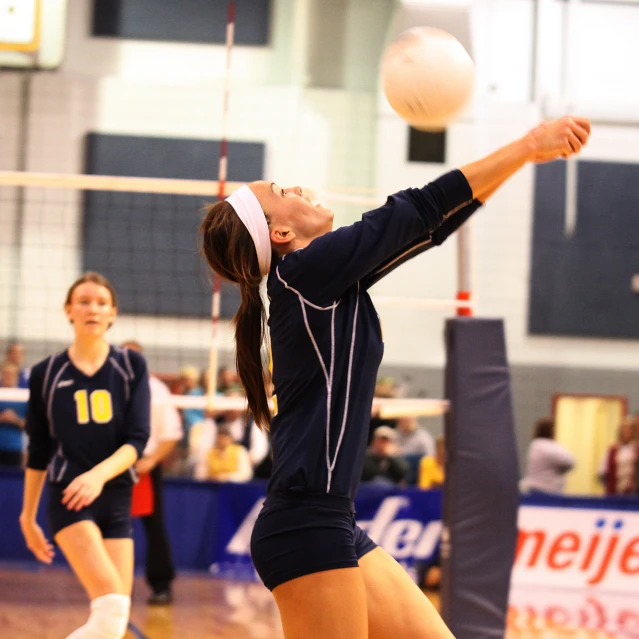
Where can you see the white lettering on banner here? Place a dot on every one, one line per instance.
(240, 543)
(574, 547)
(402, 538)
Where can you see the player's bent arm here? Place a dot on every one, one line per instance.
(33, 485)
(116, 464)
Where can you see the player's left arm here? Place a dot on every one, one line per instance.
(85, 488)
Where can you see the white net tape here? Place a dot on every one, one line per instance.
(388, 408)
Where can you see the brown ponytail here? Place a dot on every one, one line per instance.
(230, 252)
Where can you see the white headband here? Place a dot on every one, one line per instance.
(248, 209)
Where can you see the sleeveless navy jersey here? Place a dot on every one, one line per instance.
(75, 421)
(326, 338)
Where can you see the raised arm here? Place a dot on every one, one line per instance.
(413, 220)
(548, 141)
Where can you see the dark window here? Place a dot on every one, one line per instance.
(182, 20)
(426, 146)
(145, 243)
(582, 283)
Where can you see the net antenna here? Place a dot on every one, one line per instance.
(222, 174)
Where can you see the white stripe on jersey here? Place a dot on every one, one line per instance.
(46, 377)
(50, 402)
(127, 361)
(127, 390)
(330, 465)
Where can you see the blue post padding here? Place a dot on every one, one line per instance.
(481, 491)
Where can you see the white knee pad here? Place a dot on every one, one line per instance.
(77, 634)
(109, 617)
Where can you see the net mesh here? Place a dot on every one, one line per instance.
(141, 234)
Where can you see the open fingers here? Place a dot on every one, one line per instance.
(44, 554)
(42, 549)
(584, 123)
(573, 142)
(77, 500)
(70, 491)
(581, 133)
(73, 496)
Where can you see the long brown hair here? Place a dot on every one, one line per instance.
(230, 252)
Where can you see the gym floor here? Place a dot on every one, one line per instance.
(48, 603)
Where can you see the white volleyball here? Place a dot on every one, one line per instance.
(427, 77)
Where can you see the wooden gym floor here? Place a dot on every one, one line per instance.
(48, 603)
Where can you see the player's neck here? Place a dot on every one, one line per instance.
(89, 350)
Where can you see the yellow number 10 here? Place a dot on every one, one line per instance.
(101, 406)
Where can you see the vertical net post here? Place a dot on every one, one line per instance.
(464, 269)
(222, 175)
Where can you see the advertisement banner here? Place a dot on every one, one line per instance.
(578, 548)
(406, 523)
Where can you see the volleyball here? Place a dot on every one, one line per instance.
(427, 77)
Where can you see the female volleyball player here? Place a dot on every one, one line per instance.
(328, 578)
(88, 423)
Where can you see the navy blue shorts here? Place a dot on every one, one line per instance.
(300, 535)
(111, 512)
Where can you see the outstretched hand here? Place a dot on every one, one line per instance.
(559, 138)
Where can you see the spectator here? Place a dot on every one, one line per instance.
(166, 431)
(618, 469)
(12, 419)
(243, 430)
(381, 465)
(15, 354)
(226, 461)
(548, 461)
(384, 388)
(432, 469)
(227, 379)
(412, 439)
(189, 384)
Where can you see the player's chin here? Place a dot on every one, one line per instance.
(94, 328)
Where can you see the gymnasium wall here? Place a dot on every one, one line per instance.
(598, 79)
(312, 135)
(311, 98)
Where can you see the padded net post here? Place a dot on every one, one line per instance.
(481, 496)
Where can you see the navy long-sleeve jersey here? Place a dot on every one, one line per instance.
(75, 421)
(326, 337)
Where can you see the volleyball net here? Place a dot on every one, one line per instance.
(141, 233)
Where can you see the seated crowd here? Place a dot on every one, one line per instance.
(227, 446)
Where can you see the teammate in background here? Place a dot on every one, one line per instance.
(88, 423)
(166, 432)
(327, 576)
